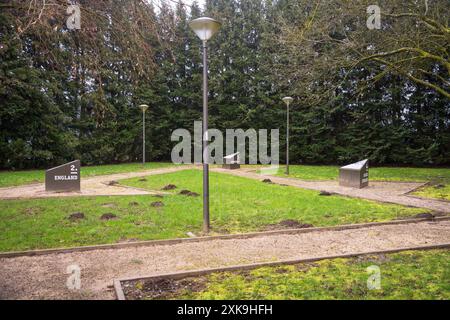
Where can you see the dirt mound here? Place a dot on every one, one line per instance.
(113, 183)
(76, 216)
(189, 193)
(288, 224)
(169, 187)
(267, 181)
(158, 204)
(424, 216)
(108, 216)
(193, 194)
(427, 215)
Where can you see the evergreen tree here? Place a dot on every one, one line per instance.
(67, 94)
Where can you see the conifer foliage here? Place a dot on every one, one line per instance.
(74, 94)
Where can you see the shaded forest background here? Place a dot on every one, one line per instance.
(360, 93)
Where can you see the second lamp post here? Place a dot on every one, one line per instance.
(288, 101)
(144, 108)
(205, 28)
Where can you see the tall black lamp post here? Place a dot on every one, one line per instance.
(205, 28)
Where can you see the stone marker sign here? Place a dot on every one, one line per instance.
(355, 175)
(232, 161)
(63, 178)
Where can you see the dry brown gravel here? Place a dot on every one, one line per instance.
(44, 277)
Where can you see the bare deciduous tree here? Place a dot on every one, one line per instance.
(324, 40)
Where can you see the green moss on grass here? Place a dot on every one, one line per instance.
(414, 275)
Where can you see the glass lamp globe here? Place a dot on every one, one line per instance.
(205, 28)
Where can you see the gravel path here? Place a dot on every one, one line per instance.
(44, 277)
(94, 186)
(391, 192)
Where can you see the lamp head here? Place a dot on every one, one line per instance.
(205, 28)
(288, 100)
(144, 107)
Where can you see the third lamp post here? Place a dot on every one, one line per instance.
(287, 101)
(144, 108)
(205, 28)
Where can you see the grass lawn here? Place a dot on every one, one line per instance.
(439, 177)
(237, 205)
(416, 275)
(438, 191)
(16, 178)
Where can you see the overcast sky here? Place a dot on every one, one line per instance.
(200, 2)
(187, 2)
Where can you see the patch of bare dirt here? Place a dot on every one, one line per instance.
(157, 204)
(287, 224)
(189, 193)
(169, 187)
(425, 215)
(108, 216)
(162, 288)
(77, 216)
